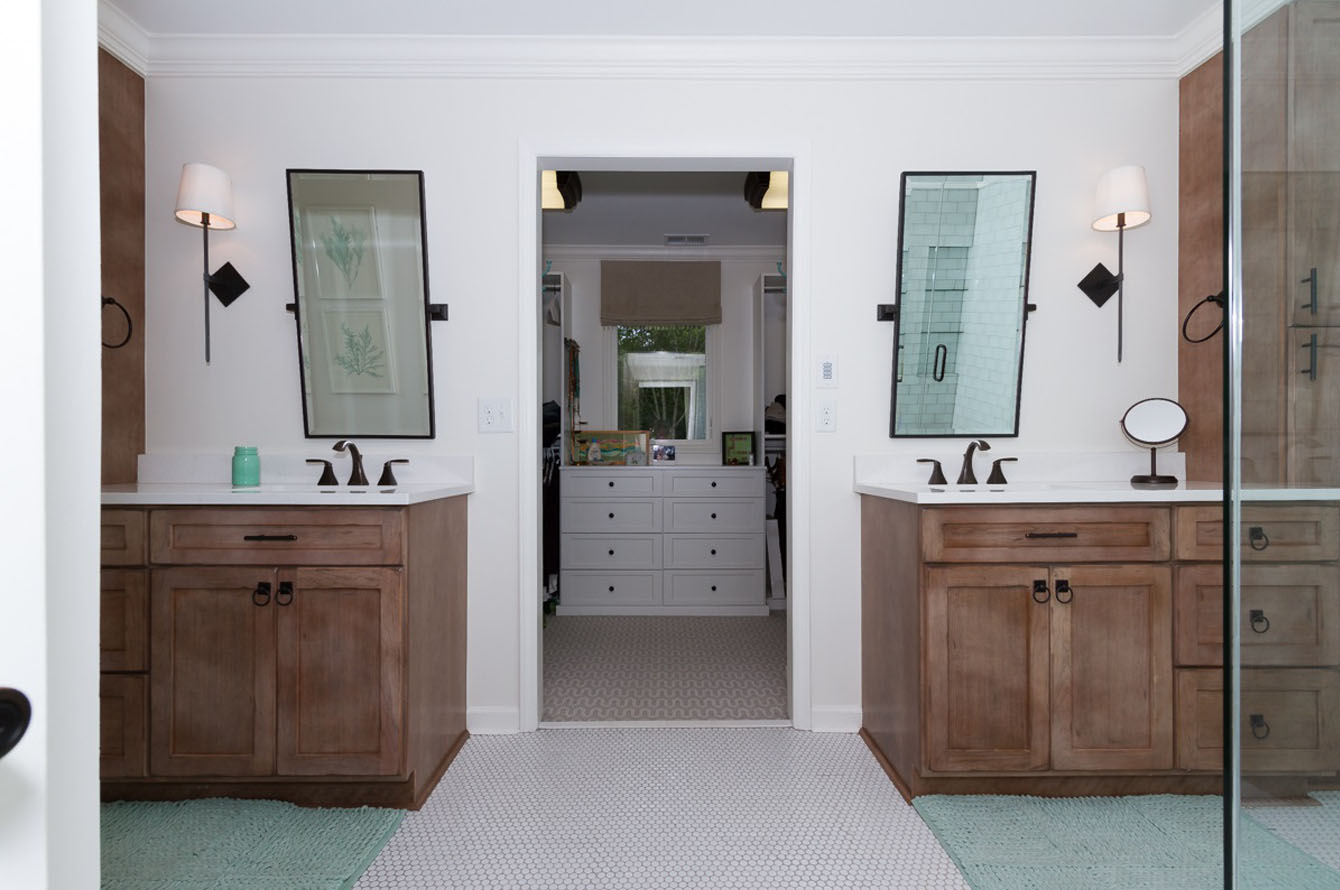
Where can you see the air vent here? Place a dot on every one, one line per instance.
(686, 240)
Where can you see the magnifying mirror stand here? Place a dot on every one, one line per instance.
(1154, 479)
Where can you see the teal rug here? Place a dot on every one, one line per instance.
(225, 844)
(1153, 842)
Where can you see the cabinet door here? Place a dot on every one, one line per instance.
(340, 679)
(1314, 404)
(1111, 668)
(123, 746)
(123, 619)
(212, 677)
(985, 663)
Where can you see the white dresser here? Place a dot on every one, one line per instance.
(654, 541)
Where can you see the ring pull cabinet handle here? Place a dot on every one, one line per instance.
(1063, 587)
(1040, 587)
(261, 595)
(1260, 623)
(1257, 539)
(1260, 728)
(285, 595)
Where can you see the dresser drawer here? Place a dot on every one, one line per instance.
(123, 537)
(610, 552)
(1045, 534)
(701, 516)
(610, 516)
(332, 537)
(1290, 615)
(714, 589)
(714, 552)
(1302, 533)
(610, 588)
(720, 484)
(1297, 718)
(123, 619)
(609, 483)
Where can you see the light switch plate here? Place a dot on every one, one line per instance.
(828, 372)
(495, 415)
(825, 415)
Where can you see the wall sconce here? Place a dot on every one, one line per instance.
(559, 189)
(205, 200)
(1121, 203)
(767, 191)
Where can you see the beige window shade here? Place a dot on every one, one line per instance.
(634, 293)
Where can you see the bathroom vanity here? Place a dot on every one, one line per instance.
(1067, 639)
(282, 642)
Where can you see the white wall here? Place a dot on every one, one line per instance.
(465, 135)
(49, 500)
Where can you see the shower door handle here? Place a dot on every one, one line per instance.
(941, 360)
(1311, 281)
(1311, 347)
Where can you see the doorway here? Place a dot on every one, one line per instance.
(701, 458)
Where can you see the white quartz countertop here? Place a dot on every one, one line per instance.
(1083, 493)
(223, 494)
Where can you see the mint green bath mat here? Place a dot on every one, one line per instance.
(1151, 842)
(225, 844)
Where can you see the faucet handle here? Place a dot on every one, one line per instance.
(327, 472)
(937, 474)
(387, 477)
(997, 476)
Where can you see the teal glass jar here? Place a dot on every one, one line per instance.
(246, 466)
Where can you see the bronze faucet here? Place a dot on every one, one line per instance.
(356, 475)
(966, 476)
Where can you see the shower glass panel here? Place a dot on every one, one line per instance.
(1282, 618)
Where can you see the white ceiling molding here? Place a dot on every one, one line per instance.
(742, 253)
(1205, 35)
(123, 38)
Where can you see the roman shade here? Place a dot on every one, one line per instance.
(636, 293)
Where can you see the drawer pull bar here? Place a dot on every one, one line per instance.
(1260, 623)
(285, 595)
(1040, 586)
(1051, 534)
(1063, 587)
(1257, 535)
(1260, 728)
(269, 537)
(261, 595)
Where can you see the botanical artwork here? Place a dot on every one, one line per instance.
(358, 350)
(343, 243)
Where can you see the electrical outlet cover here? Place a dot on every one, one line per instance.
(495, 415)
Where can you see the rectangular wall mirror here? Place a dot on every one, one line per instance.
(962, 298)
(360, 276)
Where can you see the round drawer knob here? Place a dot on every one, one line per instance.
(611, 553)
(714, 516)
(714, 552)
(611, 588)
(714, 587)
(611, 516)
(611, 483)
(714, 485)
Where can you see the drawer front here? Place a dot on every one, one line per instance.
(332, 537)
(1290, 615)
(714, 588)
(610, 516)
(610, 588)
(1303, 533)
(1046, 534)
(696, 484)
(610, 552)
(714, 552)
(609, 483)
(123, 537)
(123, 620)
(700, 516)
(1290, 720)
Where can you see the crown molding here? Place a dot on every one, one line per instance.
(741, 253)
(123, 38)
(1205, 35)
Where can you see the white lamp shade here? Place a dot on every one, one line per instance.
(779, 185)
(550, 197)
(1121, 190)
(205, 189)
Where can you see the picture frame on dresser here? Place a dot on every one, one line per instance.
(610, 448)
(737, 448)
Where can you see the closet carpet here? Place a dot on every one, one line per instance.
(641, 668)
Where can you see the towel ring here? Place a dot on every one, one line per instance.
(130, 325)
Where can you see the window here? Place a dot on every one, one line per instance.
(662, 380)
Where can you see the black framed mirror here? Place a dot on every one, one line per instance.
(965, 241)
(360, 278)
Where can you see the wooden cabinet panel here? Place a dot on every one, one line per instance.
(1313, 399)
(338, 537)
(1297, 728)
(213, 675)
(1111, 668)
(1290, 615)
(985, 669)
(122, 726)
(1293, 533)
(1045, 534)
(122, 537)
(123, 620)
(339, 667)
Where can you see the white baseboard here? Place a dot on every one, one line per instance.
(493, 720)
(835, 719)
(697, 611)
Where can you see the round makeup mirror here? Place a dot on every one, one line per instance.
(1154, 422)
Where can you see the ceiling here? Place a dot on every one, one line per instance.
(640, 209)
(683, 18)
